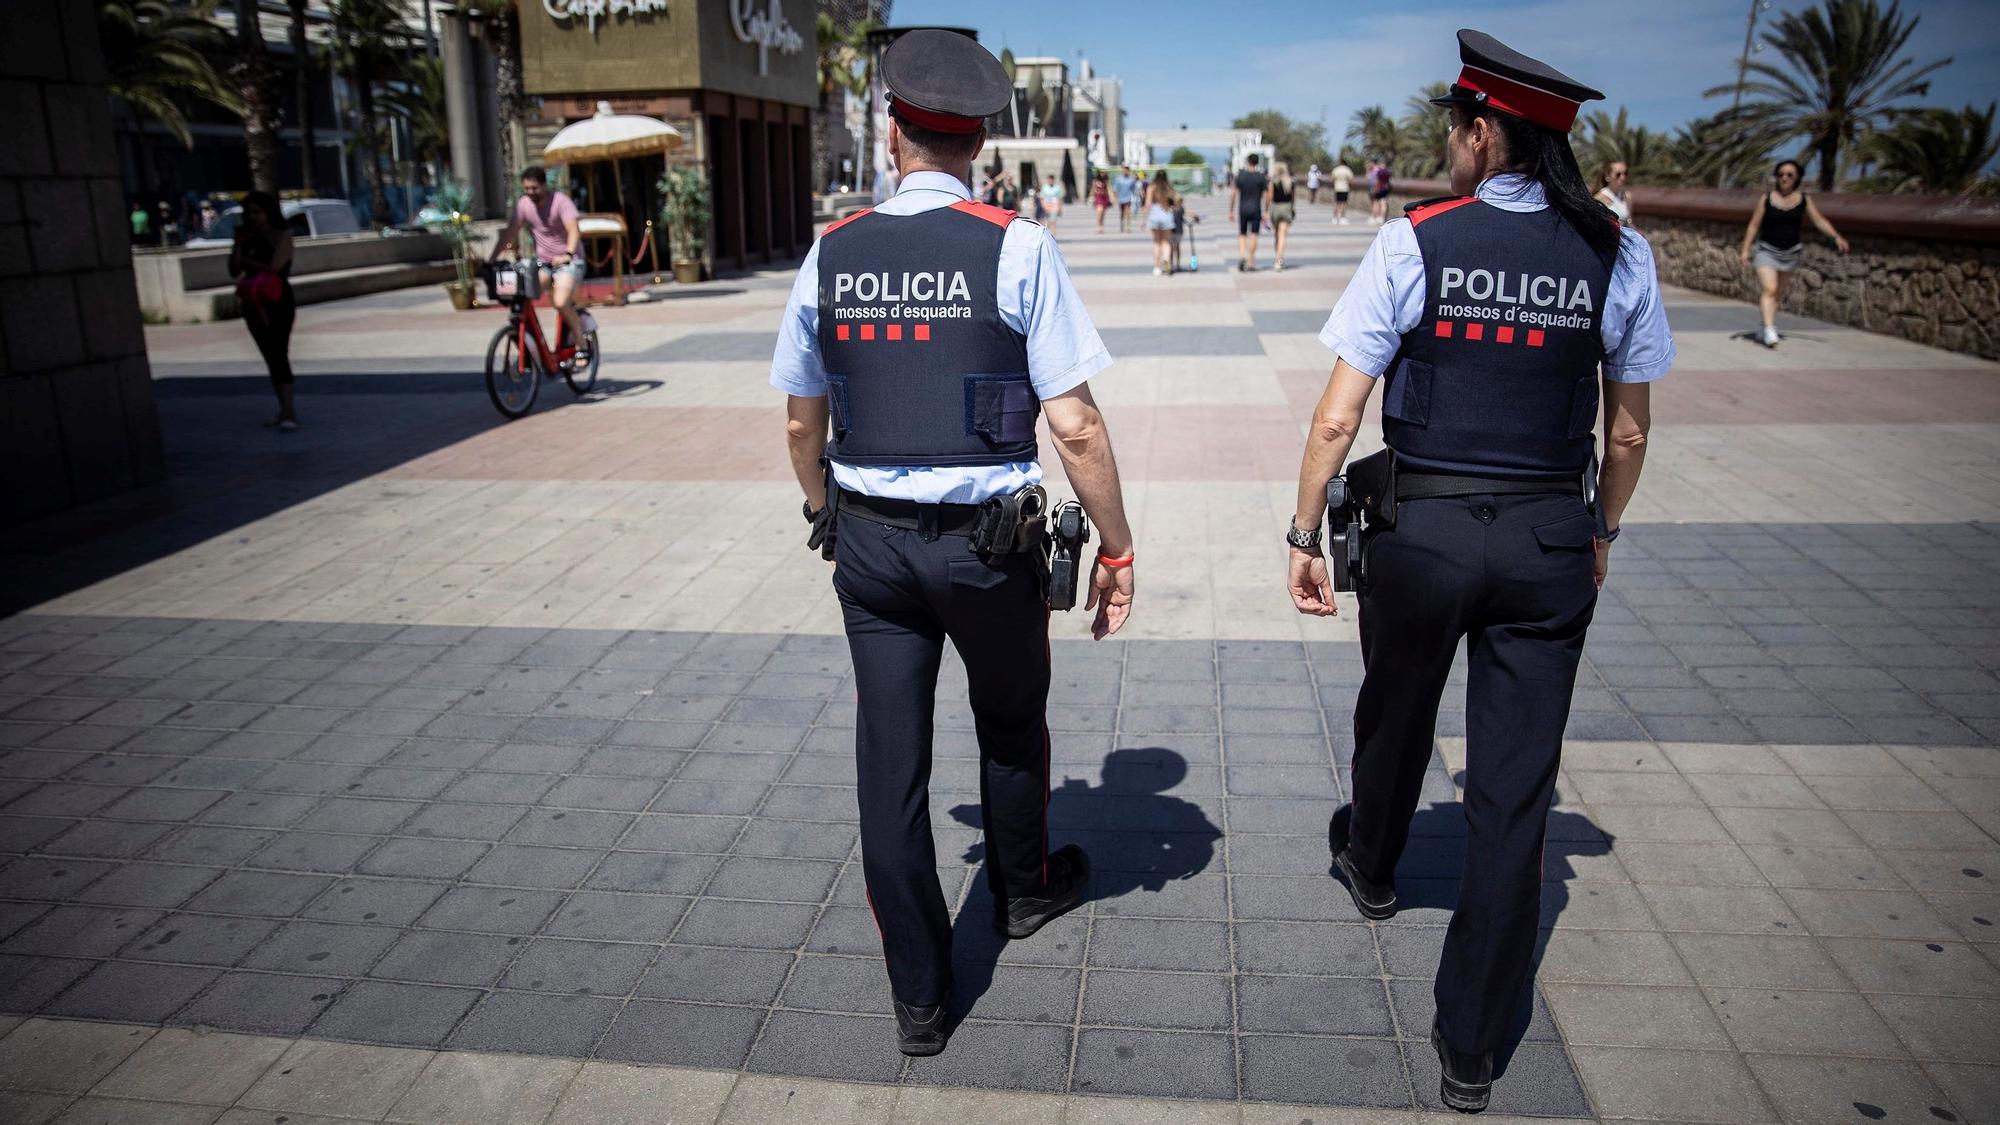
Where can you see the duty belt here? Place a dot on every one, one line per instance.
(932, 519)
(1433, 486)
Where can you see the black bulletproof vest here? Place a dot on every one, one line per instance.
(921, 370)
(1499, 378)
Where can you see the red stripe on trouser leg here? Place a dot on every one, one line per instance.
(870, 896)
(1047, 665)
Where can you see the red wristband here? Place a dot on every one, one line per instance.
(1117, 563)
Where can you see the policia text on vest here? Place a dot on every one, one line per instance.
(902, 290)
(1533, 299)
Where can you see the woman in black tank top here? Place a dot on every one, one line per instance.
(1773, 243)
(1284, 190)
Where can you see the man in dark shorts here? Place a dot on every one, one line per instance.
(1250, 195)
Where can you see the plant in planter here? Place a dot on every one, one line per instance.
(685, 212)
(448, 215)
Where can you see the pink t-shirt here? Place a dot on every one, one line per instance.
(546, 223)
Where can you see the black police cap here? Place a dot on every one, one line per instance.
(944, 81)
(1499, 77)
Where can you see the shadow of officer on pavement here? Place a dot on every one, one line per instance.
(1140, 838)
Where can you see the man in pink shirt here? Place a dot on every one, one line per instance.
(550, 217)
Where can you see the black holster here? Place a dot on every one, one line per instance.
(1069, 531)
(1358, 501)
(1011, 524)
(822, 536)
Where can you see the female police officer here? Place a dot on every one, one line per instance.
(1490, 315)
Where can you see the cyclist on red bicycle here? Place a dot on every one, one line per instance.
(550, 217)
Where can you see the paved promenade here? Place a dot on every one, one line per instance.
(424, 767)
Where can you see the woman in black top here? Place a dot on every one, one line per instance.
(261, 263)
(1284, 190)
(1773, 242)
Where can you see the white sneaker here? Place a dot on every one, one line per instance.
(1770, 336)
(1157, 271)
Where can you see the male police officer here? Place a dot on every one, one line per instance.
(930, 331)
(1491, 315)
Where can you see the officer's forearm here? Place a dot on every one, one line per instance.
(1093, 475)
(1627, 420)
(805, 440)
(1336, 420)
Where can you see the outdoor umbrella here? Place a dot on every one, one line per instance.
(611, 136)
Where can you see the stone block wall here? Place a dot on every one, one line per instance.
(1945, 294)
(77, 420)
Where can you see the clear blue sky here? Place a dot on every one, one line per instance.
(1202, 63)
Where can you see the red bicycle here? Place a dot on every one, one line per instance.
(520, 357)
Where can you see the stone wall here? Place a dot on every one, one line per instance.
(77, 420)
(1946, 294)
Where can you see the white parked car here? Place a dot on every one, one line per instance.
(306, 217)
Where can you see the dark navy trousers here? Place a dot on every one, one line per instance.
(902, 598)
(1511, 577)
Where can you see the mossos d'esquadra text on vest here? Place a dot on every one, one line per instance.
(892, 294)
(1533, 299)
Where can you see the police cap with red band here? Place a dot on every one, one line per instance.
(1498, 77)
(944, 81)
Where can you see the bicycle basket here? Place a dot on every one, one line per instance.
(529, 278)
(501, 281)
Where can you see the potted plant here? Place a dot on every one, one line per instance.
(684, 211)
(448, 215)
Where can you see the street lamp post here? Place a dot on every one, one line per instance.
(1742, 72)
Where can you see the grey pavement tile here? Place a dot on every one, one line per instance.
(200, 939)
(838, 984)
(1807, 1089)
(385, 902)
(118, 990)
(752, 925)
(1757, 961)
(1884, 914)
(1295, 899)
(1914, 829)
(1538, 1081)
(1737, 910)
(1967, 1085)
(1321, 948)
(257, 810)
(1812, 828)
(1126, 943)
(716, 765)
(499, 788)
(36, 877)
(1676, 1085)
(535, 1024)
(322, 947)
(605, 793)
(161, 804)
(523, 866)
(447, 958)
(1197, 1001)
(158, 885)
(796, 839)
(847, 929)
(714, 975)
(204, 1067)
(25, 833)
(1633, 1016)
(323, 852)
(406, 1014)
(342, 1079)
(1829, 1023)
(212, 845)
(58, 798)
(467, 822)
(653, 872)
(650, 764)
(260, 892)
(1316, 1070)
(997, 1057)
(1415, 1006)
(1825, 868)
(826, 1045)
(592, 967)
(1119, 894)
(1947, 1029)
(423, 859)
(618, 917)
(264, 1003)
(1023, 993)
(570, 828)
(106, 839)
(1595, 957)
(66, 1055)
(80, 931)
(1156, 1063)
(1320, 1006)
(491, 910)
(785, 880)
(1930, 968)
(698, 1035)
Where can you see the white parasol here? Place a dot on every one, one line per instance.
(611, 136)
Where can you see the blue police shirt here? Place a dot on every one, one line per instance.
(1036, 300)
(1386, 297)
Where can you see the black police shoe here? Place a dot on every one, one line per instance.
(1069, 873)
(921, 1031)
(1374, 900)
(1467, 1082)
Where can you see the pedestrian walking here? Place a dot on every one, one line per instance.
(928, 477)
(260, 259)
(1100, 197)
(142, 223)
(1010, 194)
(1379, 183)
(1490, 520)
(1312, 185)
(1611, 190)
(1126, 187)
(1343, 180)
(1249, 197)
(1161, 200)
(1774, 242)
(1051, 200)
(1283, 210)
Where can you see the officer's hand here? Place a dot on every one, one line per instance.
(1312, 593)
(1111, 594)
(1602, 566)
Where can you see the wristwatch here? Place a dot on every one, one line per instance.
(1303, 540)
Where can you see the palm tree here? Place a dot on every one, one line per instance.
(1601, 139)
(302, 78)
(509, 87)
(366, 51)
(1366, 126)
(1845, 72)
(840, 70)
(419, 101)
(252, 74)
(1936, 150)
(1720, 150)
(1428, 129)
(155, 53)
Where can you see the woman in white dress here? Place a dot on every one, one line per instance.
(1160, 201)
(1611, 184)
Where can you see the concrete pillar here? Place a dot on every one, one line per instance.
(461, 89)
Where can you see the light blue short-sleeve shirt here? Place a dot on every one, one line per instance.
(1036, 299)
(1386, 297)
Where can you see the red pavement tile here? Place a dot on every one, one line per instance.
(1855, 396)
(682, 443)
